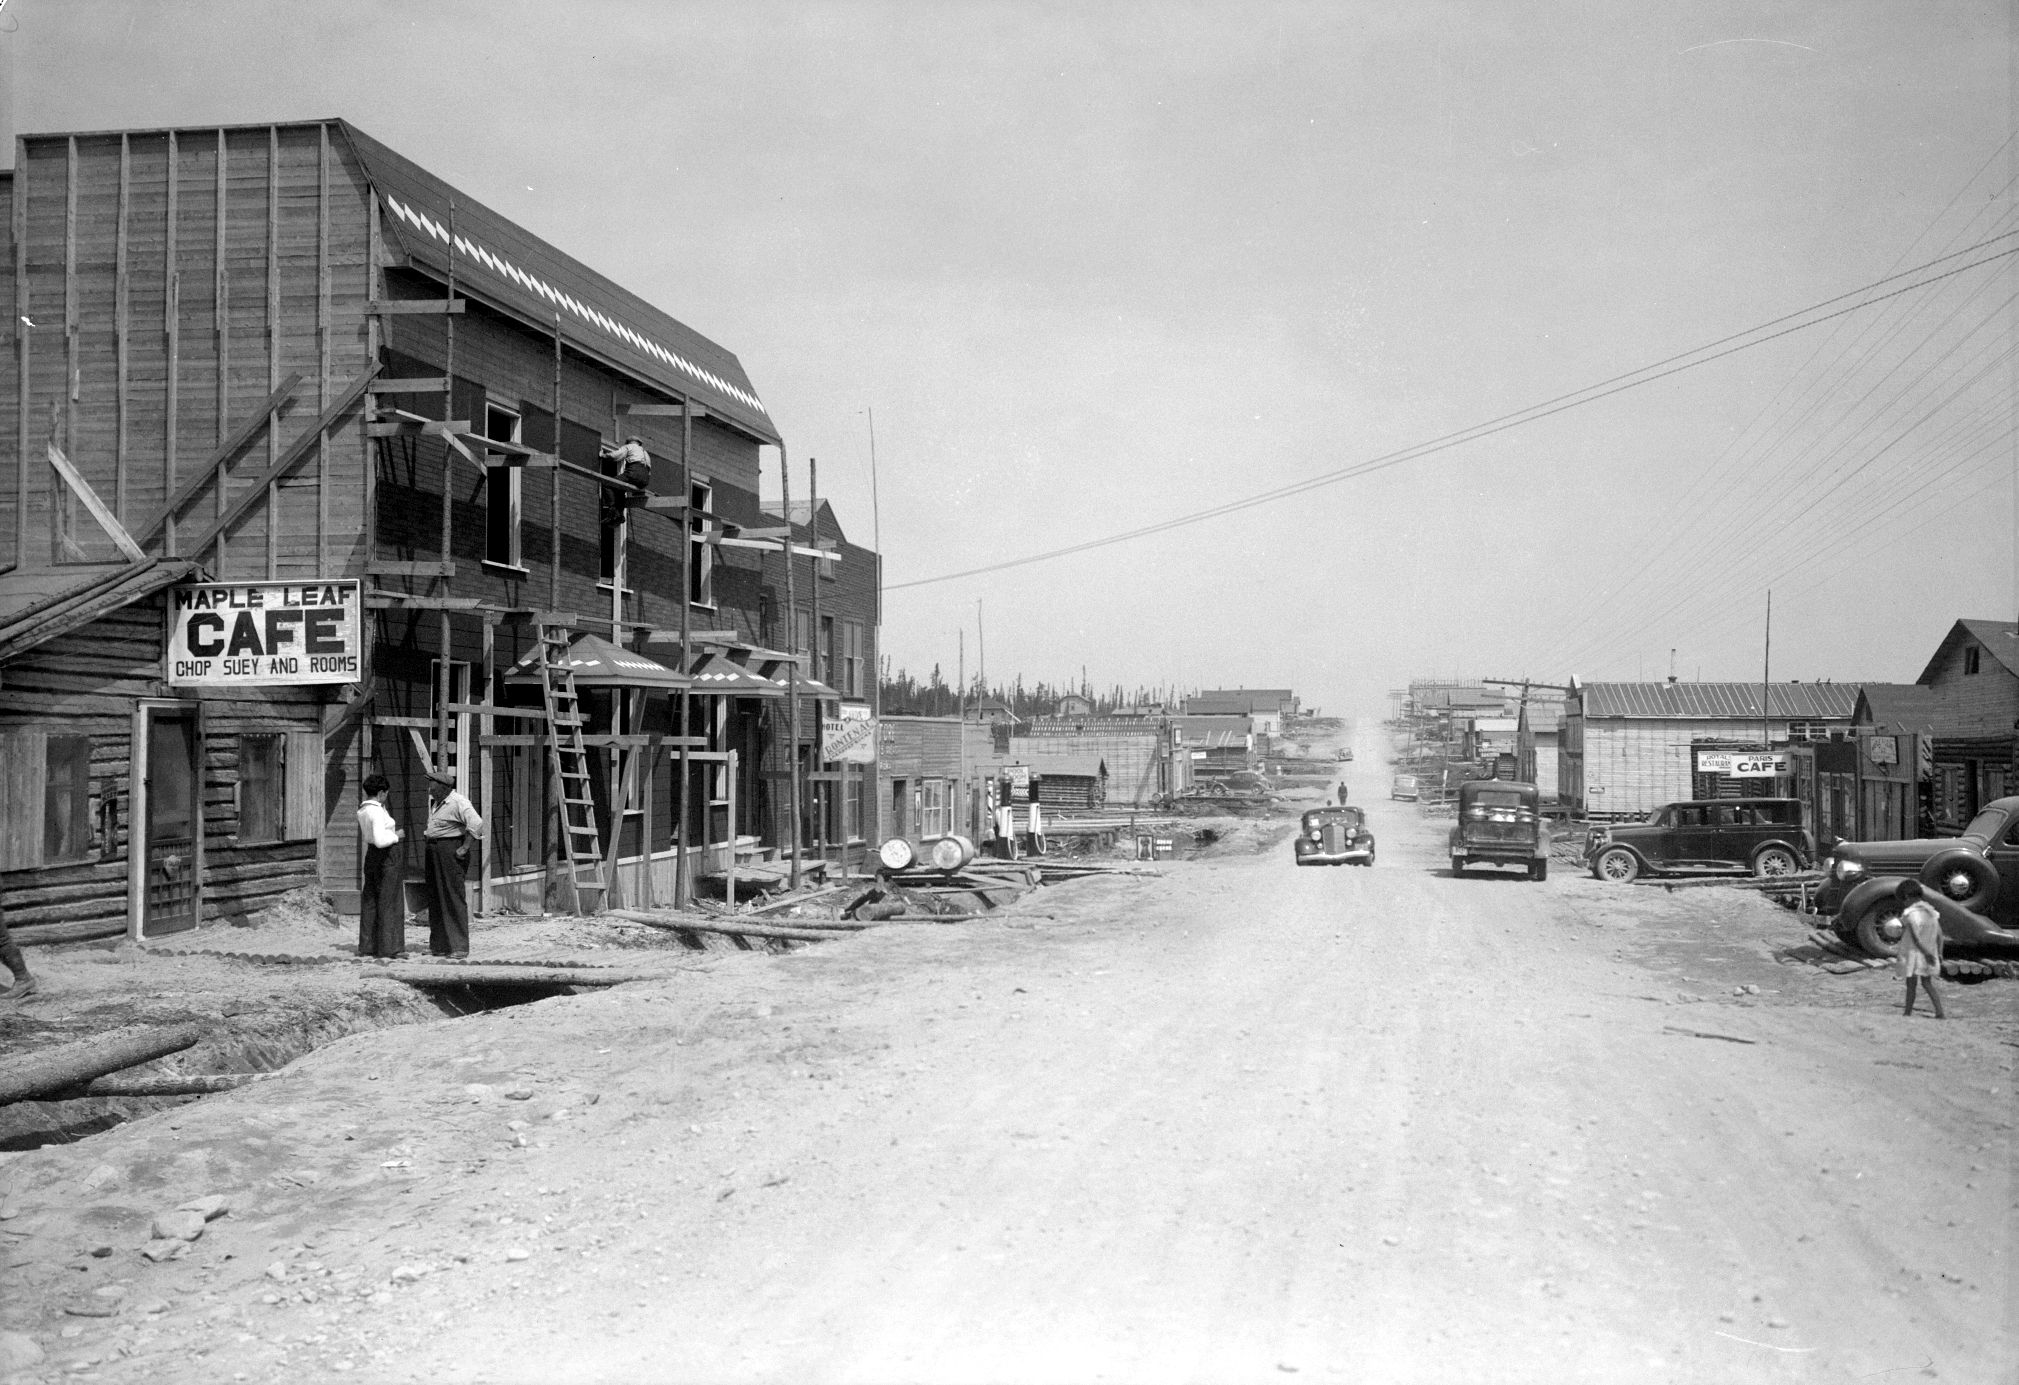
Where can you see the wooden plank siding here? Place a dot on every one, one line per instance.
(89, 682)
(16, 331)
(176, 277)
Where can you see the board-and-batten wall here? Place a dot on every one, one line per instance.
(1637, 766)
(88, 682)
(175, 279)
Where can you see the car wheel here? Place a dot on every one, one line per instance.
(1963, 876)
(1458, 865)
(1618, 865)
(1370, 856)
(1538, 870)
(1878, 926)
(1773, 861)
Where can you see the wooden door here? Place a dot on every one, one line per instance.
(172, 823)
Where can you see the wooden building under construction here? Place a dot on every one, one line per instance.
(276, 364)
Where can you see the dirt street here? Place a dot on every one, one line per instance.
(1239, 1122)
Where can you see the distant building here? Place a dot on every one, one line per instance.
(1073, 705)
(1630, 747)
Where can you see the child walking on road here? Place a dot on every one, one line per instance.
(1919, 955)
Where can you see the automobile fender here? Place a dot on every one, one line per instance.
(1804, 858)
(1965, 927)
(1863, 894)
(1968, 928)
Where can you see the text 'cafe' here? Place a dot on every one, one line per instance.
(164, 742)
(224, 634)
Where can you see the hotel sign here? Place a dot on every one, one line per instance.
(264, 634)
(851, 737)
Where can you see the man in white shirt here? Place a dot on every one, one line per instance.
(453, 824)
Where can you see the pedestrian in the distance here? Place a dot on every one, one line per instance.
(10, 957)
(1342, 793)
(453, 825)
(1919, 954)
(382, 909)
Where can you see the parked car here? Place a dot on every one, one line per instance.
(1345, 752)
(1500, 823)
(1754, 836)
(1403, 788)
(1334, 837)
(1978, 872)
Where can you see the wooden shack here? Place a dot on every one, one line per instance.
(1628, 748)
(284, 354)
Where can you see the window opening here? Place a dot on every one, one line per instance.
(502, 491)
(262, 784)
(701, 554)
(66, 799)
(1971, 657)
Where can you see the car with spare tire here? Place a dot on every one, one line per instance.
(1765, 837)
(1500, 823)
(1972, 878)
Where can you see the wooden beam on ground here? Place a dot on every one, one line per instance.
(170, 1084)
(73, 1065)
(106, 519)
(426, 975)
(689, 923)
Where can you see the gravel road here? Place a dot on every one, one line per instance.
(1239, 1122)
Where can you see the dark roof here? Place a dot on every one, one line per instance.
(1897, 706)
(509, 265)
(1719, 701)
(597, 663)
(37, 605)
(1252, 699)
(2001, 637)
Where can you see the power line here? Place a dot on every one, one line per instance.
(1590, 394)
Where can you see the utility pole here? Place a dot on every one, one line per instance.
(1766, 675)
(876, 626)
(791, 672)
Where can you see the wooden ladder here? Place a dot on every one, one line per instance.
(568, 767)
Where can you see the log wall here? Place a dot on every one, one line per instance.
(89, 682)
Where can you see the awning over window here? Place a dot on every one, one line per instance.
(716, 676)
(597, 663)
(809, 686)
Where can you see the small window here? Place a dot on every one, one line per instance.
(700, 554)
(935, 810)
(824, 658)
(501, 492)
(851, 658)
(1971, 659)
(854, 806)
(262, 783)
(66, 799)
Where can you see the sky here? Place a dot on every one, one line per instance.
(1095, 268)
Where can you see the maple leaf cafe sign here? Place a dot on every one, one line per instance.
(264, 634)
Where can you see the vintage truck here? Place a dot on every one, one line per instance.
(1500, 823)
(1975, 878)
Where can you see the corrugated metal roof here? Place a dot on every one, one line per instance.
(511, 265)
(1720, 701)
